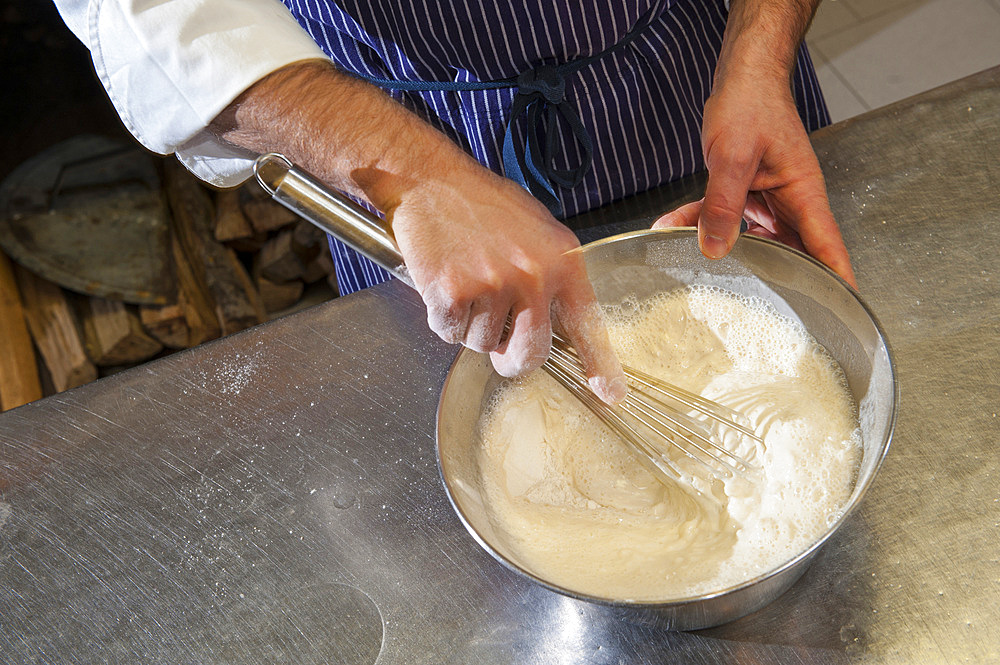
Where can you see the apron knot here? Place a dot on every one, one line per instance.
(545, 82)
(541, 99)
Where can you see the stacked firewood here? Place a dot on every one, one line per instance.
(239, 260)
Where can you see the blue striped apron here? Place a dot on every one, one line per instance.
(633, 78)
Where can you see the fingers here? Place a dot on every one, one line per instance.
(758, 212)
(486, 323)
(579, 315)
(527, 346)
(797, 214)
(447, 313)
(730, 174)
(762, 222)
(783, 236)
(475, 315)
(804, 206)
(830, 250)
(566, 295)
(686, 215)
(466, 311)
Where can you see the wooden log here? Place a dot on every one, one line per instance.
(278, 296)
(19, 383)
(308, 241)
(167, 324)
(213, 268)
(230, 222)
(318, 268)
(48, 386)
(277, 260)
(253, 295)
(196, 303)
(249, 245)
(113, 335)
(264, 213)
(55, 331)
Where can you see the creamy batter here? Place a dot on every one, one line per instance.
(578, 510)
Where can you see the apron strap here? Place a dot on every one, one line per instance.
(541, 99)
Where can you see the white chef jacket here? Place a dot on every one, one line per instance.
(171, 66)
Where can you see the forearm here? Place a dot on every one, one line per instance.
(762, 38)
(479, 248)
(345, 131)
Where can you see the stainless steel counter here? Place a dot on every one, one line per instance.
(273, 497)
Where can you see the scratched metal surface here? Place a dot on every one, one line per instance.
(273, 497)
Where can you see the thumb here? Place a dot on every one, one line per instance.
(729, 180)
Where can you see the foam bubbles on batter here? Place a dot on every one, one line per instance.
(580, 511)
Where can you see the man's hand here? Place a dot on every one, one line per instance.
(760, 163)
(479, 248)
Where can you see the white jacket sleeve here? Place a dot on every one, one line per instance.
(171, 66)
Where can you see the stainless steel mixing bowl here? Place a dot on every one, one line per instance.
(638, 265)
(644, 263)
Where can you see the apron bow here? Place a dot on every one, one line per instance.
(541, 98)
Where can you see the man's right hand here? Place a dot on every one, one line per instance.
(479, 247)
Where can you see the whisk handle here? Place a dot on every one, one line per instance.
(330, 210)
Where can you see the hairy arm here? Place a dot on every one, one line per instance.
(479, 248)
(763, 36)
(341, 129)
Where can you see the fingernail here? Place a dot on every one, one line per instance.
(714, 247)
(611, 391)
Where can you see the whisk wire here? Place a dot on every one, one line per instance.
(713, 410)
(670, 427)
(645, 404)
(660, 466)
(691, 437)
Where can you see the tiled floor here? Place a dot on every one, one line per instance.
(869, 53)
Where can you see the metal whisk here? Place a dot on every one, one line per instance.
(656, 417)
